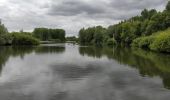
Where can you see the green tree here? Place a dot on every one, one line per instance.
(146, 24)
(3, 29)
(168, 6)
(46, 34)
(145, 13)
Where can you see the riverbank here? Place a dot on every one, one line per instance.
(17, 38)
(149, 30)
(159, 42)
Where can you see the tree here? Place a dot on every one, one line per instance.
(3, 29)
(145, 14)
(148, 23)
(81, 35)
(99, 34)
(92, 35)
(168, 6)
(46, 34)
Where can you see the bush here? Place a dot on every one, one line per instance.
(142, 42)
(23, 39)
(111, 42)
(135, 43)
(161, 42)
(6, 39)
(2, 41)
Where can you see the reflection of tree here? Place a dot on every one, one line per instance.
(148, 63)
(49, 49)
(7, 52)
(91, 51)
(3, 56)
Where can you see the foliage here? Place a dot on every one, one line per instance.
(4, 35)
(46, 34)
(72, 38)
(6, 39)
(3, 29)
(160, 41)
(139, 31)
(16, 38)
(111, 42)
(142, 42)
(23, 39)
(149, 22)
(93, 35)
(168, 6)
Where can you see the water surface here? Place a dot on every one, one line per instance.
(72, 72)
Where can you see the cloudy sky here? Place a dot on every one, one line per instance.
(70, 15)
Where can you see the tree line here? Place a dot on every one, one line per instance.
(16, 38)
(125, 32)
(93, 35)
(45, 34)
(30, 38)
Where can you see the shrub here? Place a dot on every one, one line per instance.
(2, 40)
(23, 39)
(161, 42)
(142, 42)
(111, 42)
(6, 39)
(135, 43)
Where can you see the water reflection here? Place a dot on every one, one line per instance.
(148, 63)
(75, 72)
(13, 51)
(72, 72)
(49, 49)
(6, 52)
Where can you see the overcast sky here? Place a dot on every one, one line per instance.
(70, 15)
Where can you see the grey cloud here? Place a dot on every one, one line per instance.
(70, 14)
(115, 9)
(70, 8)
(135, 4)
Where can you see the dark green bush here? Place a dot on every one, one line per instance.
(6, 39)
(111, 42)
(2, 41)
(23, 39)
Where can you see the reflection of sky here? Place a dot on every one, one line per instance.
(50, 77)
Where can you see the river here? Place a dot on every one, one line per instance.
(73, 72)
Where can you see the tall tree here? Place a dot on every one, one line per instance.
(46, 34)
(3, 29)
(168, 6)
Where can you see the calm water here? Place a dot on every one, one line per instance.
(72, 72)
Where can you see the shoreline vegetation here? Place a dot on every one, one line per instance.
(38, 36)
(150, 30)
(16, 38)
